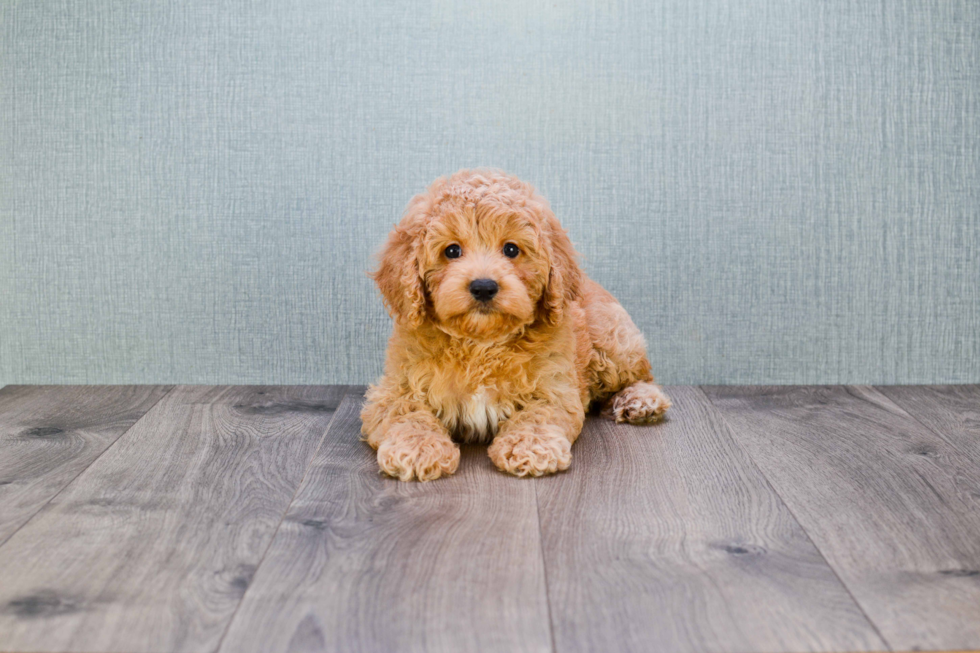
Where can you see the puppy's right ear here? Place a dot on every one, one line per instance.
(399, 276)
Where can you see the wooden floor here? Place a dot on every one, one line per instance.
(252, 518)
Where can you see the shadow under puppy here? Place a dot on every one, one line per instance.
(499, 335)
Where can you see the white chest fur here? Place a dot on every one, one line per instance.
(474, 417)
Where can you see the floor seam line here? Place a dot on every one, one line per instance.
(913, 417)
(544, 570)
(84, 469)
(275, 533)
(731, 430)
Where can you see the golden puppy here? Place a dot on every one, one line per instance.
(498, 335)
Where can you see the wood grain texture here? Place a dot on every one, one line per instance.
(668, 538)
(893, 507)
(366, 563)
(49, 434)
(152, 546)
(950, 411)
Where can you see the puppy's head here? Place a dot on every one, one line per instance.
(480, 255)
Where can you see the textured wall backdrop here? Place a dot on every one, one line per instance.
(778, 190)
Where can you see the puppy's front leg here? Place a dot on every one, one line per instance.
(538, 440)
(411, 442)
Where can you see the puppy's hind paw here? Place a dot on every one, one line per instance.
(640, 403)
(409, 454)
(534, 451)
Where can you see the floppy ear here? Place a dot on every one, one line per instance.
(565, 276)
(399, 276)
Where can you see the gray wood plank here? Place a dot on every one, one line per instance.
(950, 411)
(667, 538)
(49, 434)
(363, 562)
(893, 507)
(152, 546)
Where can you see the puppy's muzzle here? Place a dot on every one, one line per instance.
(483, 290)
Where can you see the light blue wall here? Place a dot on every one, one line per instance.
(778, 190)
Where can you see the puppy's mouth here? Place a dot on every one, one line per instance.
(464, 313)
(483, 321)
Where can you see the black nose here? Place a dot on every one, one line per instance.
(483, 289)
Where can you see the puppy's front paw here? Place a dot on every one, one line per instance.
(409, 453)
(640, 403)
(531, 451)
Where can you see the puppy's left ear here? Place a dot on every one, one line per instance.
(399, 276)
(565, 276)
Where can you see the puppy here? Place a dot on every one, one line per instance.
(499, 336)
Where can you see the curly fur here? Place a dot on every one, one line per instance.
(520, 371)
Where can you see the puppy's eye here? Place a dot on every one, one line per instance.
(454, 251)
(511, 250)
